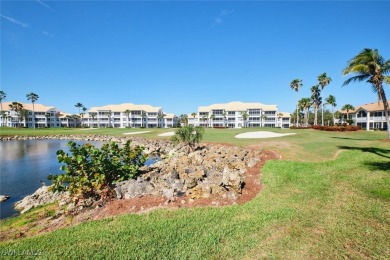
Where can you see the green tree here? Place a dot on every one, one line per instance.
(279, 116)
(143, 117)
(127, 113)
(323, 81)
(295, 85)
(331, 100)
(91, 172)
(2, 97)
(79, 106)
(93, 115)
(212, 120)
(371, 67)
(347, 108)
(244, 118)
(316, 100)
(305, 104)
(47, 115)
(33, 97)
(17, 107)
(189, 135)
(193, 114)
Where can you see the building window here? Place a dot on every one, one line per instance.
(254, 112)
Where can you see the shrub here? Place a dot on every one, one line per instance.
(348, 128)
(90, 172)
(189, 135)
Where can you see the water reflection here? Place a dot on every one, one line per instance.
(24, 165)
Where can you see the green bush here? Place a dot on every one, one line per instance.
(90, 172)
(189, 135)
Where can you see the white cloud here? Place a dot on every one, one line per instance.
(48, 34)
(220, 18)
(44, 4)
(14, 21)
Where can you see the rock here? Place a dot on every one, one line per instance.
(39, 197)
(3, 198)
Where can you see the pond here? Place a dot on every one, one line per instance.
(25, 165)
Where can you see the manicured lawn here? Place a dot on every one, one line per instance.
(311, 206)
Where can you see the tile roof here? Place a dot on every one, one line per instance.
(238, 106)
(29, 106)
(370, 107)
(126, 106)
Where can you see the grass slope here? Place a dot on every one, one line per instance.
(322, 209)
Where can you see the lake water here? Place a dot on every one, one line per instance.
(25, 164)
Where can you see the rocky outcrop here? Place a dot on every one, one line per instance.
(3, 198)
(210, 170)
(39, 197)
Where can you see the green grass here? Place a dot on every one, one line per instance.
(310, 207)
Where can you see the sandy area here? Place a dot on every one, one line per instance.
(167, 134)
(88, 128)
(136, 133)
(261, 134)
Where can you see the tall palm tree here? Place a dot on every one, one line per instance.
(323, 81)
(143, 116)
(316, 100)
(305, 104)
(244, 117)
(79, 106)
(127, 113)
(108, 113)
(331, 100)
(295, 85)
(347, 108)
(93, 115)
(371, 67)
(2, 97)
(193, 114)
(33, 97)
(224, 114)
(17, 107)
(280, 115)
(47, 115)
(212, 120)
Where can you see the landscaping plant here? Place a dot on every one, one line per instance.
(90, 172)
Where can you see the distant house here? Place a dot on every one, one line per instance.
(128, 115)
(231, 115)
(45, 116)
(368, 116)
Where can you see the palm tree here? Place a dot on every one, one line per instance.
(371, 67)
(189, 135)
(82, 115)
(224, 114)
(347, 108)
(296, 84)
(323, 81)
(47, 115)
(160, 118)
(305, 104)
(17, 107)
(316, 100)
(204, 118)
(280, 115)
(331, 100)
(108, 113)
(127, 113)
(143, 116)
(33, 97)
(2, 97)
(244, 117)
(93, 115)
(212, 120)
(79, 106)
(24, 115)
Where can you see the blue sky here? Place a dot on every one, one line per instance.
(181, 55)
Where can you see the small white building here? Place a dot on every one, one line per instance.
(239, 114)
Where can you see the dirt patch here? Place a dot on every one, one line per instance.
(146, 204)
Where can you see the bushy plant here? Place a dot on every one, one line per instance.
(189, 135)
(91, 172)
(348, 128)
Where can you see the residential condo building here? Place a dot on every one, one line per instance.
(368, 116)
(238, 115)
(128, 115)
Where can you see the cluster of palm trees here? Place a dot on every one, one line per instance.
(315, 100)
(368, 66)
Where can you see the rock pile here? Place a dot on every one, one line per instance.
(212, 169)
